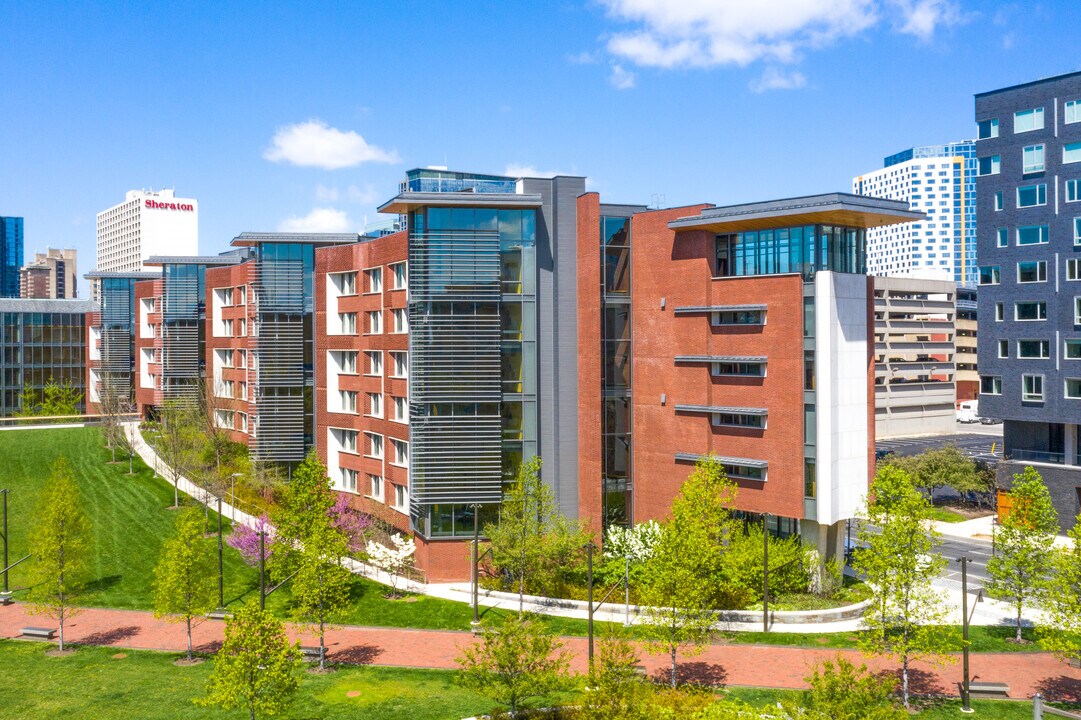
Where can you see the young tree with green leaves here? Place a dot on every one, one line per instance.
(256, 667)
(111, 409)
(60, 398)
(899, 562)
(304, 511)
(60, 545)
(686, 568)
(531, 535)
(941, 467)
(177, 442)
(1025, 540)
(320, 588)
(515, 662)
(184, 587)
(616, 691)
(28, 403)
(1061, 634)
(841, 691)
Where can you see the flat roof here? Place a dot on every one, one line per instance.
(1030, 83)
(404, 202)
(193, 260)
(133, 274)
(47, 306)
(255, 238)
(838, 208)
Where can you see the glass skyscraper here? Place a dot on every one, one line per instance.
(11, 255)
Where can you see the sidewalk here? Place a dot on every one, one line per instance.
(748, 665)
(983, 529)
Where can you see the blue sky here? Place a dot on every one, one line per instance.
(282, 115)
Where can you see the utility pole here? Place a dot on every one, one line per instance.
(966, 706)
(221, 565)
(765, 572)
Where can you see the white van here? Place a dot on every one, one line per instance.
(969, 412)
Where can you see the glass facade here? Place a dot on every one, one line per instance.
(801, 249)
(118, 336)
(11, 255)
(473, 360)
(183, 328)
(430, 180)
(38, 347)
(615, 252)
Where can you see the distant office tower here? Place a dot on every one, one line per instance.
(51, 276)
(147, 223)
(939, 180)
(11, 255)
(1029, 214)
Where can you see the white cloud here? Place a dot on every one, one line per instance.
(326, 194)
(922, 17)
(516, 170)
(776, 79)
(710, 33)
(315, 144)
(583, 58)
(621, 78)
(367, 195)
(320, 219)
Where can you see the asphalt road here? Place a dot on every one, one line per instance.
(953, 549)
(977, 444)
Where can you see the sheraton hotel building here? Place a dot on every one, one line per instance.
(513, 317)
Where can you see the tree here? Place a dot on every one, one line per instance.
(60, 545)
(1062, 600)
(842, 691)
(531, 534)
(514, 663)
(616, 691)
(111, 408)
(393, 561)
(320, 590)
(177, 441)
(184, 588)
(246, 540)
(941, 467)
(28, 403)
(629, 547)
(256, 667)
(1025, 541)
(685, 570)
(303, 512)
(906, 616)
(60, 398)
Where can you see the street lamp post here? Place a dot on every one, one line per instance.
(221, 565)
(5, 492)
(966, 706)
(765, 572)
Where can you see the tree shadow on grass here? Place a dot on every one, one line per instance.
(698, 673)
(1060, 688)
(103, 583)
(111, 637)
(920, 682)
(356, 655)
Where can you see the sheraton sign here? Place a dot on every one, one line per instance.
(154, 204)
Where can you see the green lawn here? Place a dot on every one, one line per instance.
(981, 638)
(93, 682)
(946, 515)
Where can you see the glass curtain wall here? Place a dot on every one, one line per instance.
(802, 249)
(36, 348)
(118, 337)
(616, 370)
(183, 330)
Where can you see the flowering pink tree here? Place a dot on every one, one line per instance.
(350, 522)
(245, 539)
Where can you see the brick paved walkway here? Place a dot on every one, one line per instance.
(753, 665)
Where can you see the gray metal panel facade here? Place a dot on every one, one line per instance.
(557, 333)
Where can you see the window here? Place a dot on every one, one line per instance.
(401, 364)
(375, 362)
(1073, 388)
(1073, 112)
(401, 320)
(242, 327)
(1077, 311)
(1032, 195)
(998, 200)
(999, 314)
(758, 422)
(224, 419)
(988, 129)
(242, 422)
(1032, 388)
(348, 323)
(1030, 311)
(991, 165)
(1003, 348)
(400, 449)
(226, 389)
(373, 445)
(753, 369)
(741, 317)
(1073, 190)
(375, 280)
(347, 439)
(375, 485)
(1003, 237)
(989, 275)
(398, 269)
(1034, 349)
(375, 405)
(349, 479)
(1077, 231)
(349, 400)
(1032, 159)
(1071, 153)
(1073, 350)
(375, 322)
(401, 497)
(346, 361)
(1073, 269)
(1032, 235)
(242, 356)
(990, 384)
(345, 283)
(1027, 120)
(1032, 271)
(401, 409)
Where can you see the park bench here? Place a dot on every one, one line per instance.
(219, 615)
(989, 689)
(38, 633)
(5, 598)
(311, 653)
